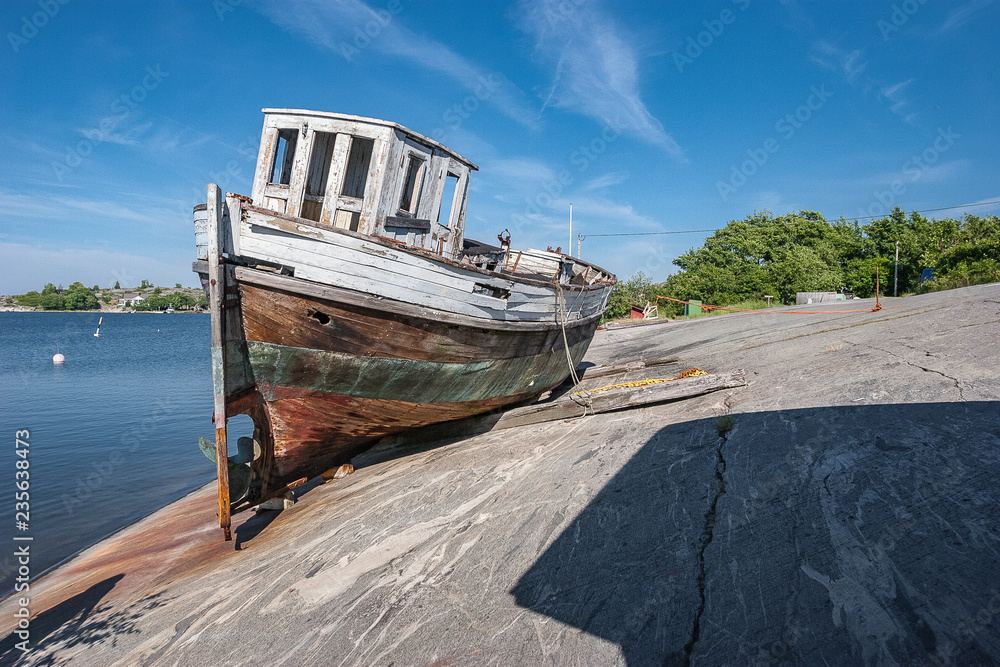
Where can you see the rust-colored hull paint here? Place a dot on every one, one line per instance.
(307, 425)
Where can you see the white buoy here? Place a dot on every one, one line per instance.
(58, 359)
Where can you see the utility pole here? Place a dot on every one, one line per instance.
(895, 279)
(569, 248)
(579, 242)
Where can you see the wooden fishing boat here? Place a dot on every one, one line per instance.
(347, 303)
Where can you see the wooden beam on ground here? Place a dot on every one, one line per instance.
(601, 371)
(595, 402)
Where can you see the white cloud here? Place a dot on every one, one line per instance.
(849, 64)
(961, 15)
(606, 180)
(595, 69)
(28, 267)
(896, 94)
(336, 25)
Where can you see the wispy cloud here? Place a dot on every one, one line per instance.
(334, 24)
(961, 15)
(606, 180)
(30, 267)
(849, 64)
(595, 69)
(896, 94)
(46, 207)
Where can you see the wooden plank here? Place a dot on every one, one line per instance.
(335, 180)
(596, 402)
(265, 160)
(352, 297)
(290, 251)
(345, 246)
(311, 229)
(216, 294)
(373, 185)
(616, 369)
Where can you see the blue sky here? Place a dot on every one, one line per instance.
(648, 117)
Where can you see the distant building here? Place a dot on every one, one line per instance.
(131, 300)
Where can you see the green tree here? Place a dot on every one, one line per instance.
(180, 300)
(145, 284)
(637, 290)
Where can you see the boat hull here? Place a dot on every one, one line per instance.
(324, 378)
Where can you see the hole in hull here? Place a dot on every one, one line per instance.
(322, 318)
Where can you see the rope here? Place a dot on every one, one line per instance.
(562, 322)
(689, 373)
(708, 307)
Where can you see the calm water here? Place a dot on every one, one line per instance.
(114, 431)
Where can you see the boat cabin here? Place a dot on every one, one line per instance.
(365, 175)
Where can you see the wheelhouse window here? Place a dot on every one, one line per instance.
(319, 172)
(411, 185)
(358, 162)
(281, 171)
(448, 199)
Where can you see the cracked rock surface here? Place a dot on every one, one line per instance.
(847, 514)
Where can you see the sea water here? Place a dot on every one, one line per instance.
(113, 432)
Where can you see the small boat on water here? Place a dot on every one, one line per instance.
(348, 305)
(169, 310)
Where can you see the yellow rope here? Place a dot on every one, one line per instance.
(689, 373)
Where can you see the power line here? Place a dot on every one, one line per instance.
(926, 210)
(689, 231)
(869, 217)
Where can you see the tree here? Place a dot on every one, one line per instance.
(180, 300)
(117, 285)
(637, 290)
(177, 285)
(79, 297)
(145, 284)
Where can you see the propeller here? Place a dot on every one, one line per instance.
(248, 450)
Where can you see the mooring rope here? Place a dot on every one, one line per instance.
(562, 322)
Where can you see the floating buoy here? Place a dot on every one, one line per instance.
(97, 334)
(58, 359)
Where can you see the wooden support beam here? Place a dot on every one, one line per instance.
(595, 402)
(217, 289)
(602, 371)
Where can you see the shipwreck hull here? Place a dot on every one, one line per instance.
(330, 376)
(348, 305)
